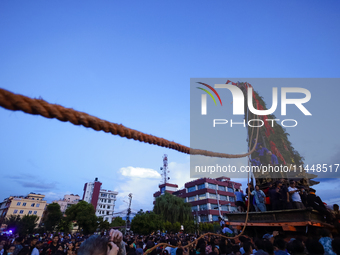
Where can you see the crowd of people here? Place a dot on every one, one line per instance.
(281, 196)
(114, 243)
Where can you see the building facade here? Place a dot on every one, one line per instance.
(209, 197)
(32, 204)
(67, 202)
(167, 187)
(102, 200)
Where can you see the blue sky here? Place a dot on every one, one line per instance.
(131, 63)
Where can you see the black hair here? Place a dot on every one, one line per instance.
(94, 245)
(314, 247)
(336, 245)
(280, 244)
(179, 251)
(295, 247)
(268, 247)
(324, 232)
(247, 246)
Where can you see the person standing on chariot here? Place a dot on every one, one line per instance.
(260, 199)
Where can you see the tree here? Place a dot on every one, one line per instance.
(14, 223)
(64, 225)
(189, 226)
(28, 224)
(53, 216)
(118, 222)
(172, 209)
(102, 224)
(146, 223)
(84, 214)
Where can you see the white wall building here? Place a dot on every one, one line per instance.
(106, 204)
(102, 200)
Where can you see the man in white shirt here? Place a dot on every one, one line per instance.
(296, 198)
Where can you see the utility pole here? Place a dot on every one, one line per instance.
(127, 224)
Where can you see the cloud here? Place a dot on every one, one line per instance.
(140, 172)
(24, 179)
(142, 193)
(37, 185)
(23, 176)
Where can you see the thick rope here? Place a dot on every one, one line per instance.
(16, 102)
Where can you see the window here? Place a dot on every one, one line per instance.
(105, 201)
(19, 203)
(202, 196)
(33, 204)
(211, 186)
(15, 211)
(221, 188)
(223, 197)
(204, 218)
(109, 201)
(37, 198)
(224, 208)
(37, 205)
(190, 199)
(191, 189)
(212, 195)
(23, 204)
(29, 212)
(21, 211)
(230, 190)
(107, 218)
(107, 213)
(35, 212)
(201, 186)
(215, 218)
(194, 208)
(203, 207)
(108, 207)
(104, 206)
(232, 199)
(214, 206)
(103, 195)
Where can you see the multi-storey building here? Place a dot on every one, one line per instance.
(67, 201)
(209, 197)
(32, 204)
(102, 200)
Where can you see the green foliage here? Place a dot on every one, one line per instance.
(28, 224)
(146, 223)
(102, 224)
(64, 225)
(172, 227)
(206, 227)
(14, 223)
(189, 226)
(53, 216)
(24, 225)
(84, 214)
(118, 222)
(167, 226)
(172, 209)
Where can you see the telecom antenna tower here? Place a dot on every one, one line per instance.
(165, 169)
